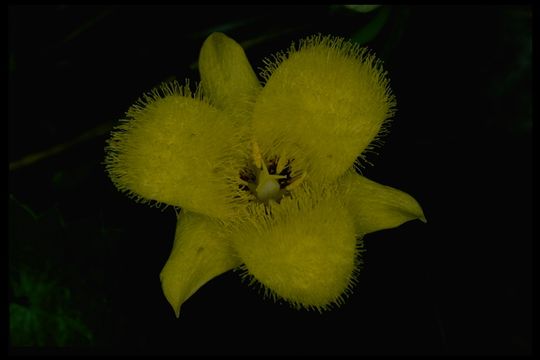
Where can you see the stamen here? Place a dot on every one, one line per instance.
(296, 182)
(282, 162)
(269, 181)
(243, 182)
(257, 157)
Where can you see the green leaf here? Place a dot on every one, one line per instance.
(372, 29)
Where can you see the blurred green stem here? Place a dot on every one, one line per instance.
(30, 159)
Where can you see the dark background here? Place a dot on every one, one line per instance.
(84, 259)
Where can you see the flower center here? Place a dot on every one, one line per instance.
(267, 186)
(269, 180)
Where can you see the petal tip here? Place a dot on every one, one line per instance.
(227, 78)
(172, 296)
(176, 311)
(418, 212)
(378, 207)
(216, 35)
(215, 42)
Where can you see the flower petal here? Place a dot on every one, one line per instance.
(200, 253)
(177, 149)
(377, 207)
(303, 250)
(227, 78)
(329, 100)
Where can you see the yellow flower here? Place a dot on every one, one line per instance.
(265, 176)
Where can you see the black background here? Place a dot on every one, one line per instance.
(460, 144)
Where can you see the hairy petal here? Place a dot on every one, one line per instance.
(228, 79)
(179, 150)
(200, 252)
(377, 207)
(328, 100)
(303, 250)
